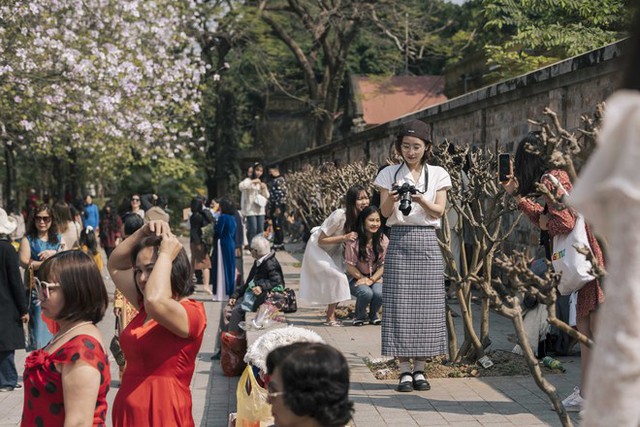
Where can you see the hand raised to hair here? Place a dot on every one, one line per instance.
(157, 227)
(170, 245)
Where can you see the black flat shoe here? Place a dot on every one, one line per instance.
(407, 384)
(420, 384)
(216, 356)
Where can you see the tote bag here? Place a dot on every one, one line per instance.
(574, 266)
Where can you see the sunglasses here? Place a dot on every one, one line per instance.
(44, 288)
(45, 219)
(135, 199)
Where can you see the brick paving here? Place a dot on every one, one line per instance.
(500, 401)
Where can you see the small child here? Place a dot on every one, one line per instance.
(89, 245)
(365, 265)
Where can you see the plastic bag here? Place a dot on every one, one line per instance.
(252, 401)
(234, 347)
(267, 315)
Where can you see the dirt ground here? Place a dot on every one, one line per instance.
(505, 362)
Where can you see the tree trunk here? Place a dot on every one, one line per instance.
(467, 319)
(324, 130)
(484, 322)
(451, 332)
(10, 173)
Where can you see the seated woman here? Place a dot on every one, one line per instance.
(265, 276)
(66, 382)
(161, 343)
(309, 386)
(364, 258)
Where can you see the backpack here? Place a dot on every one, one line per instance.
(208, 234)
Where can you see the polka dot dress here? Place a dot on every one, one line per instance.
(43, 399)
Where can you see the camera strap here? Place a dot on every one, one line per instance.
(425, 170)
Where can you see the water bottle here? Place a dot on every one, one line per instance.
(553, 363)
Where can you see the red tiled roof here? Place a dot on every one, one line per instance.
(383, 99)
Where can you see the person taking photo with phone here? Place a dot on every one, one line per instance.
(529, 169)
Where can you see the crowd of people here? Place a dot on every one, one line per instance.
(61, 296)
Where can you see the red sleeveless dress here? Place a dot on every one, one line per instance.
(155, 384)
(43, 397)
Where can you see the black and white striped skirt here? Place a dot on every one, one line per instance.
(413, 321)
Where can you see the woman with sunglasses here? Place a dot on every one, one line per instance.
(40, 242)
(66, 382)
(161, 343)
(135, 204)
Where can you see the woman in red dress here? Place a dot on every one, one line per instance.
(152, 270)
(66, 382)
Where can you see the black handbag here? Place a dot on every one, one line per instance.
(115, 348)
(284, 301)
(291, 304)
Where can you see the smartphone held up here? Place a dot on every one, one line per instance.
(504, 167)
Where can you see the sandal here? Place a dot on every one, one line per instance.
(332, 323)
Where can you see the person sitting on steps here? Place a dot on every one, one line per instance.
(265, 276)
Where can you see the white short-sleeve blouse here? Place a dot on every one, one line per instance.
(438, 179)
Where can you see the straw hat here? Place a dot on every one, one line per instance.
(7, 224)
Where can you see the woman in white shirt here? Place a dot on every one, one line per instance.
(69, 229)
(413, 323)
(254, 201)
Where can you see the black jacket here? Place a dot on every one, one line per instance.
(267, 275)
(197, 220)
(13, 302)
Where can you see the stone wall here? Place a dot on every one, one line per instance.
(496, 115)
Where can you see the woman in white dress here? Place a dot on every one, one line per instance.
(323, 279)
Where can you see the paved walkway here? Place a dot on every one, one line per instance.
(504, 401)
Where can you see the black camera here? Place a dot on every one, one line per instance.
(405, 191)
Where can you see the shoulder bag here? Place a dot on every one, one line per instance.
(574, 266)
(114, 346)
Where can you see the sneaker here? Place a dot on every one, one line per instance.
(358, 322)
(8, 388)
(406, 382)
(375, 321)
(574, 402)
